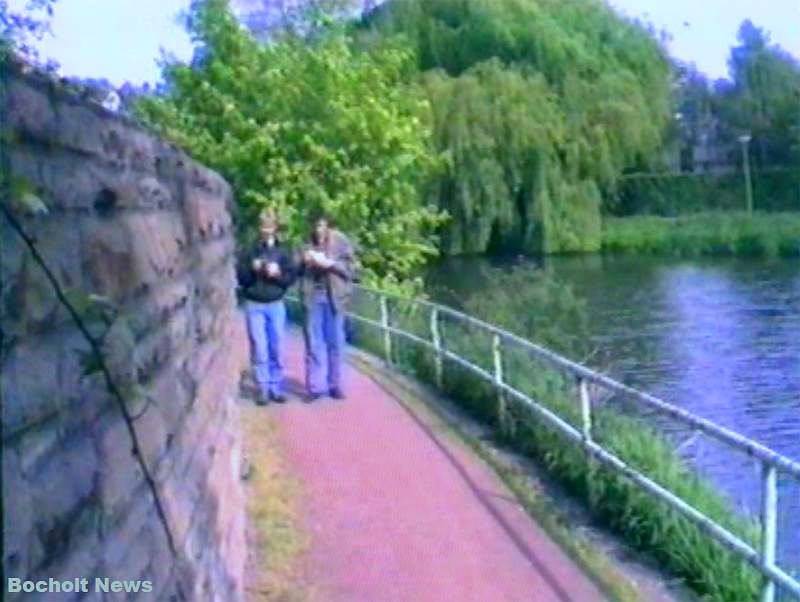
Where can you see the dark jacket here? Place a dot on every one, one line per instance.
(257, 286)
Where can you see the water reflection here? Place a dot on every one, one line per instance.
(718, 337)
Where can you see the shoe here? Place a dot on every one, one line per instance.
(312, 397)
(336, 393)
(277, 398)
(262, 399)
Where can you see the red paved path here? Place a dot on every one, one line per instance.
(396, 514)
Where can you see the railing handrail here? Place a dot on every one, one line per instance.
(725, 435)
(763, 559)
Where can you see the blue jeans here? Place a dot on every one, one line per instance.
(324, 333)
(266, 323)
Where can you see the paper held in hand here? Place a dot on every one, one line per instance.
(320, 258)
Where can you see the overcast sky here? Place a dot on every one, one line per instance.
(121, 39)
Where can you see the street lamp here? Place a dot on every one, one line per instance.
(744, 139)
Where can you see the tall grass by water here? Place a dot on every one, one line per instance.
(715, 233)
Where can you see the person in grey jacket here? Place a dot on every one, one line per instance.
(327, 270)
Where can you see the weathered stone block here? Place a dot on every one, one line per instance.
(91, 400)
(178, 510)
(61, 179)
(152, 352)
(216, 254)
(161, 566)
(25, 164)
(128, 559)
(39, 377)
(38, 444)
(168, 300)
(205, 215)
(108, 259)
(136, 251)
(178, 587)
(62, 483)
(125, 526)
(30, 297)
(119, 471)
(171, 164)
(86, 130)
(18, 515)
(152, 434)
(205, 179)
(152, 194)
(14, 251)
(143, 148)
(82, 559)
(30, 111)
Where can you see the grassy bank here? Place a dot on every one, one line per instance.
(715, 233)
(645, 523)
(275, 537)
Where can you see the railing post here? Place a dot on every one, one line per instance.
(769, 526)
(387, 336)
(502, 411)
(437, 345)
(586, 430)
(586, 409)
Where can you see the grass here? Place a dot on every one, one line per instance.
(715, 233)
(645, 523)
(274, 533)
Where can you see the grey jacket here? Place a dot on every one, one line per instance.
(338, 279)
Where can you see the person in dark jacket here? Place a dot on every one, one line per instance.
(265, 274)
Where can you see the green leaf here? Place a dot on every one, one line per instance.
(24, 200)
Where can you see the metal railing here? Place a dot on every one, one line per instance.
(772, 464)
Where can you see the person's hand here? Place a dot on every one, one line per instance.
(324, 261)
(257, 265)
(273, 269)
(315, 258)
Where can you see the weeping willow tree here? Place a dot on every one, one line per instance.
(539, 106)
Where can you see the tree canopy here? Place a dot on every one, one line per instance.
(20, 30)
(763, 97)
(307, 125)
(538, 106)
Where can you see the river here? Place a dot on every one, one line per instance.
(718, 337)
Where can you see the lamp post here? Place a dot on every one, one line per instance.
(745, 140)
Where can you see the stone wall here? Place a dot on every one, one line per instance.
(133, 220)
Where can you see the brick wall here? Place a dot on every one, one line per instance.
(134, 220)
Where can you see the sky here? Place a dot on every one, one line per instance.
(121, 40)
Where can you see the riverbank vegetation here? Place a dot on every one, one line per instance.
(719, 233)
